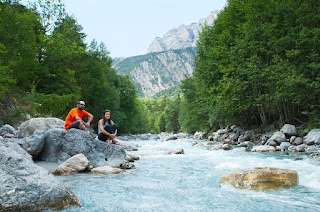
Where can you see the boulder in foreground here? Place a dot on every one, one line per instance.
(261, 178)
(28, 187)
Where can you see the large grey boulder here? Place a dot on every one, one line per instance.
(313, 137)
(28, 187)
(284, 146)
(27, 128)
(277, 138)
(34, 144)
(289, 130)
(62, 144)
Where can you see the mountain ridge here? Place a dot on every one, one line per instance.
(168, 61)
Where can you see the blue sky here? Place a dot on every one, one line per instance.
(128, 27)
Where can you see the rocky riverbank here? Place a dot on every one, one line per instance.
(29, 187)
(286, 139)
(26, 186)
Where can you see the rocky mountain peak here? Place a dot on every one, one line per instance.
(184, 36)
(170, 59)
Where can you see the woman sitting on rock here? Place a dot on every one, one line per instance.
(107, 129)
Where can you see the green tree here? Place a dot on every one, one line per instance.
(19, 33)
(129, 109)
(98, 81)
(6, 80)
(18, 26)
(257, 62)
(51, 13)
(171, 115)
(193, 113)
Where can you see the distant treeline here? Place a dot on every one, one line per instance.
(257, 65)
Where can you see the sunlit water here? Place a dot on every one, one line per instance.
(190, 182)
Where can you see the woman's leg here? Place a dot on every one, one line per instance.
(109, 129)
(103, 137)
(114, 128)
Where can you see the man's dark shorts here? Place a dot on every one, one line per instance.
(75, 124)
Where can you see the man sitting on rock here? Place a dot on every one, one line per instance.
(78, 118)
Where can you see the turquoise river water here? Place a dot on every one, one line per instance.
(190, 182)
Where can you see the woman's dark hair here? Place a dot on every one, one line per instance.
(104, 118)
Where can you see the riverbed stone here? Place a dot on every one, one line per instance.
(33, 144)
(277, 137)
(263, 148)
(75, 164)
(171, 137)
(107, 170)
(7, 130)
(28, 187)
(246, 136)
(131, 157)
(27, 128)
(200, 135)
(226, 147)
(176, 152)
(289, 130)
(312, 137)
(297, 141)
(299, 148)
(261, 178)
(284, 146)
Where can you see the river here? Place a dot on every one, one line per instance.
(190, 181)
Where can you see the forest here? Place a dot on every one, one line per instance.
(256, 66)
(46, 67)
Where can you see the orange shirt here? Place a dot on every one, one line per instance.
(71, 116)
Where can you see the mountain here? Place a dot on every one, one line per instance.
(157, 71)
(169, 60)
(181, 37)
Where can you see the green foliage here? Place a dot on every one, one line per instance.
(46, 68)
(171, 116)
(6, 80)
(169, 92)
(52, 105)
(153, 110)
(18, 35)
(51, 13)
(18, 52)
(162, 114)
(64, 48)
(255, 65)
(131, 115)
(193, 114)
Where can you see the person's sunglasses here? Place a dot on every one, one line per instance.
(82, 104)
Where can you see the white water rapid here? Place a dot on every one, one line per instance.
(190, 182)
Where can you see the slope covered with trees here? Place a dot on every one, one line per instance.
(258, 64)
(46, 67)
